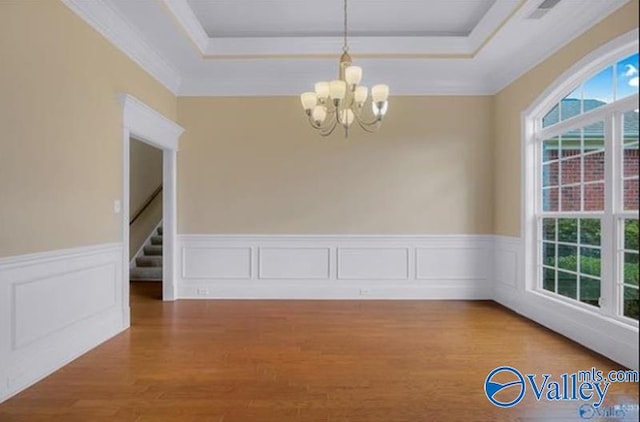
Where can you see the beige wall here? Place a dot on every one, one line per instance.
(253, 165)
(61, 144)
(145, 174)
(511, 101)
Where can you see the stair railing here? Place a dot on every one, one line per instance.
(146, 204)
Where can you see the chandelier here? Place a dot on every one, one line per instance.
(342, 101)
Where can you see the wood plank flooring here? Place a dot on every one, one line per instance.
(378, 361)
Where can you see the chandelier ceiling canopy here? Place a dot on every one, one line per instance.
(342, 101)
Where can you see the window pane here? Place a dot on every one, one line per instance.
(593, 137)
(594, 197)
(549, 228)
(589, 290)
(590, 231)
(594, 167)
(568, 230)
(590, 261)
(549, 279)
(627, 71)
(550, 173)
(631, 194)
(571, 105)
(570, 198)
(598, 90)
(567, 284)
(550, 149)
(552, 117)
(550, 199)
(571, 170)
(568, 257)
(630, 160)
(631, 234)
(631, 302)
(631, 268)
(570, 143)
(630, 127)
(549, 254)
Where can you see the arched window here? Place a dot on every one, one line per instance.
(582, 204)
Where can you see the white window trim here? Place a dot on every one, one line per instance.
(620, 47)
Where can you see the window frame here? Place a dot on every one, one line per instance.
(612, 217)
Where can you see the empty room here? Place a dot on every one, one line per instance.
(339, 210)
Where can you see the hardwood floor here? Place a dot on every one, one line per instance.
(308, 361)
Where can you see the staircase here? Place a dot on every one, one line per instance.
(148, 267)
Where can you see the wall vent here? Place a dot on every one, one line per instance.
(543, 9)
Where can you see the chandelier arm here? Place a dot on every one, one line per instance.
(375, 122)
(329, 131)
(368, 128)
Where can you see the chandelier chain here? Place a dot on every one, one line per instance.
(345, 47)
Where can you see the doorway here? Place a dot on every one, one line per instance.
(147, 125)
(145, 217)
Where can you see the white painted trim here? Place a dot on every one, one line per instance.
(109, 23)
(55, 306)
(311, 267)
(140, 251)
(147, 125)
(184, 15)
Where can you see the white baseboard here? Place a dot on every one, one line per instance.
(607, 336)
(335, 267)
(55, 306)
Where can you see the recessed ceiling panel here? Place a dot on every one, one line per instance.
(314, 18)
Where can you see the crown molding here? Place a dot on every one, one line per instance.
(243, 87)
(547, 44)
(111, 25)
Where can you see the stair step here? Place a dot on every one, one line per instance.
(149, 261)
(146, 273)
(156, 240)
(153, 250)
(160, 230)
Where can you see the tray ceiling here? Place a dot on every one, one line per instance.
(281, 47)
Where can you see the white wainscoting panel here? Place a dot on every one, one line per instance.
(294, 263)
(55, 306)
(453, 263)
(373, 263)
(335, 267)
(217, 263)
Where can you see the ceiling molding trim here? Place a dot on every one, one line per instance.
(303, 47)
(188, 22)
(111, 25)
(547, 44)
(239, 87)
(496, 17)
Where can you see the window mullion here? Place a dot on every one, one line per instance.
(609, 300)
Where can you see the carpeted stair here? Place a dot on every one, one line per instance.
(149, 265)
